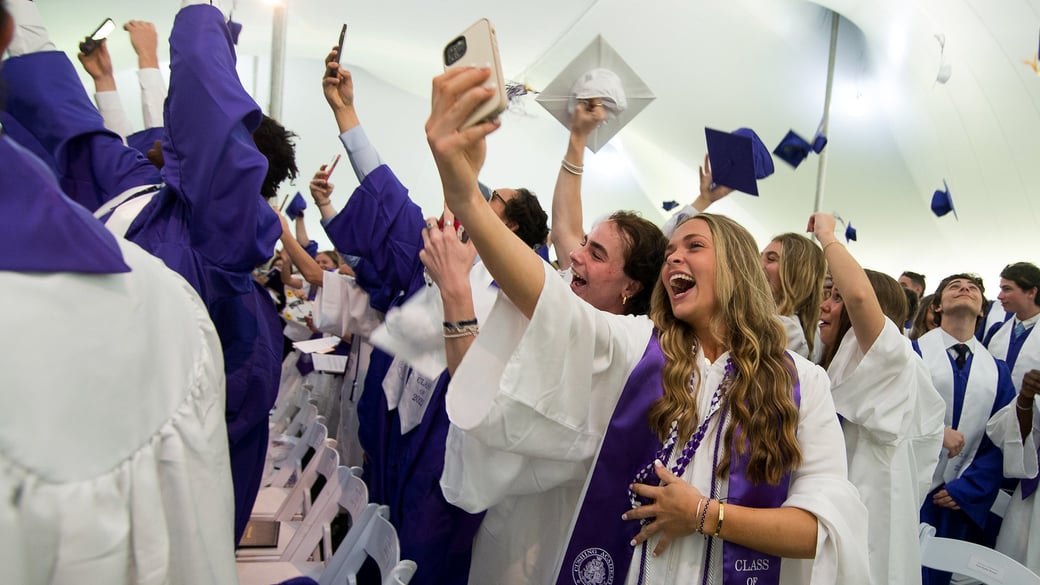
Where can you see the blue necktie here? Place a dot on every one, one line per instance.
(962, 355)
(1017, 332)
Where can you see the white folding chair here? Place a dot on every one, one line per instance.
(327, 462)
(378, 541)
(283, 498)
(352, 499)
(286, 409)
(972, 560)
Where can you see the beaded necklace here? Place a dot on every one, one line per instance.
(665, 452)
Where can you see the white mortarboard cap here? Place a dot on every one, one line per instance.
(597, 72)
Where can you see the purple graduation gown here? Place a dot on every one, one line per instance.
(209, 223)
(383, 226)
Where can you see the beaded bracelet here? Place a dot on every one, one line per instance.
(704, 515)
(456, 329)
(722, 516)
(571, 167)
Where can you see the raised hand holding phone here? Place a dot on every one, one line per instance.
(91, 43)
(477, 46)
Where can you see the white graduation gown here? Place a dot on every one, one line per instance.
(1016, 538)
(1028, 357)
(893, 425)
(795, 336)
(548, 413)
(112, 437)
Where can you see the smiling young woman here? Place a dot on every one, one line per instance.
(570, 402)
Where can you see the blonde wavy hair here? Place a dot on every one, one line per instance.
(760, 399)
(802, 268)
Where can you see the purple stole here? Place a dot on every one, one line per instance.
(598, 552)
(1015, 347)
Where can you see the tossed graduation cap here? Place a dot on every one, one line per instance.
(850, 233)
(597, 72)
(296, 206)
(793, 149)
(942, 202)
(738, 159)
(669, 205)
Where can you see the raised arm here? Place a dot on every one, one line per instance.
(448, 262)
(98, 64)
(459, 153)
(568, 230)
(145, 41)
(309, 269)
(851, 282)
(321, 192)
(709, 193)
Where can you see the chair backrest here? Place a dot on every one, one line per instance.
(290, 468)
(378, 541)
(972, 560)
(307, 413)
(401, 574)
(288, 407)
(314, 526)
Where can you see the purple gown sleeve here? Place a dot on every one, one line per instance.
(381, 224)
(211, 160)
(45, 96)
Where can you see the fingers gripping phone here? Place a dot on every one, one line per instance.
(477, 46)
(92, 42)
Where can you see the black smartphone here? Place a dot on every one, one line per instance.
(101, 33)
(339, 52)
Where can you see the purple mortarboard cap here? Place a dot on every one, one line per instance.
(793, 148)
(669, 205)
(942, 202)
(236, 29)
(738, 159)
(296, 207)
(850, 233)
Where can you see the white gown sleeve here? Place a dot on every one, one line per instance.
(341, 307)
(531, 400)
(669, 226)
(111, 109)
(819, 485)
(153, 94)
(1020, 456)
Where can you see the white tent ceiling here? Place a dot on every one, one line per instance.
(895, 133)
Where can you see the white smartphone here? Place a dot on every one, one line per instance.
(477, 46)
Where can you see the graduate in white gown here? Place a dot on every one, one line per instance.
(974, 387)
(113, 446)
(613, 268)
(586, 391)
(892, 416)
(1013, 341)
(1016, 430)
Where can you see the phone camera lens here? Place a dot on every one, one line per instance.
(455, 50)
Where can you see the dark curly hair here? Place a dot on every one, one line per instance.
(644, 256)
(530, 219)
(276, 143)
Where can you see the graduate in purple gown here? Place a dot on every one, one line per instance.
(207, 221)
